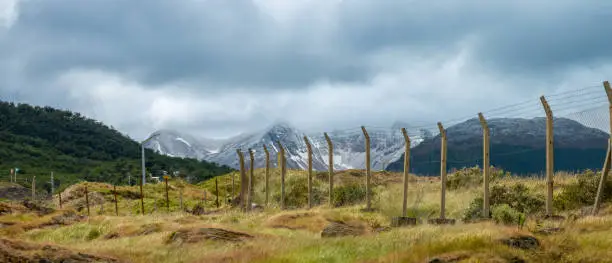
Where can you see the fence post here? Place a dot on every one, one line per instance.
(116, 202)
(267, 174)
(367, 160)
(167, 197)
(52, 184)
(59, 195)
(486, 167)
(242, 179)
(87, 198)
(549, 157)
(607, 162)
(33, 188)
(283, 171)
(142, 209)
(330, 147)
(181, 199)
(309, 149)
(217, 191)
(442, 170)
(406, 172)
(251, 178)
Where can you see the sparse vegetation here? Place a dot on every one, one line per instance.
(271, 235)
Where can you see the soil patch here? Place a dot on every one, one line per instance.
(19, 251)
(200, 234)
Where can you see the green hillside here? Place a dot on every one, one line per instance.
(39, 140)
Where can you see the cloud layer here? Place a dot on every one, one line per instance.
(219, 67)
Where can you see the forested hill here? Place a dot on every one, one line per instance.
(39, 140)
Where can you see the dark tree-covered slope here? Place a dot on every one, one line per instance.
(517, 145)
(39, 140)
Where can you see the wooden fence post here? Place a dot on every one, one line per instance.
(367, 157)
(442, 170)
(309, 148)
(330, 147)
(167, 197)
(242, 179)
(267, 174)
(486, 169)
(549, 157)
(142, 209)
(406, 172)
(283, 171)
(59, 195)
(33, 188)
(87, 199)
(217, 191)
(608, 160)
(251, 178)
(116, 201)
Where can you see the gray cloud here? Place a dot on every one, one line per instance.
(240, 64)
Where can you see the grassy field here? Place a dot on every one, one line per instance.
(294, 235)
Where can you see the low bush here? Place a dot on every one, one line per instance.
(504, 214)
(582, 192)
(472, 176)
(296, 192)
(348, 194)
(517, 197)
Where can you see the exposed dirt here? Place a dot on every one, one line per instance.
(14, 192)
(310, 221)
(200, 234)
(19, 251)
(522, 242)
(338, 229)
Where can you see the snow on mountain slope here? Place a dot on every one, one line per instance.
(387, 145)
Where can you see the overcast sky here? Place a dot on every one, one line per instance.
(221, 67)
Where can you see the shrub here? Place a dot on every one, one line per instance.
(582, 192)
(472, 176)
(296, 192)
(517, 197)
(348, 194)
(504, 214)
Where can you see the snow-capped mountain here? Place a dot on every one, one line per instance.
(387, 145)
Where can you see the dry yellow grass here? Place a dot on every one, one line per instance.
(294, 236)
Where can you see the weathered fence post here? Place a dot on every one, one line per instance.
(443, 149)
(549, 157)
(608, 160)
(167, 197)
(267, 174)
(486, 169)
(406, 172)
(52, 184)
(330, 147)
(33, 188)
(242, 180)
(116, 202)
(251, 178)
(59, 196)
(442, 170)
(217, 191)
(87, 199)
(181, 199)
(367, 159)
(283, 171)
(142, 209)
(309, 149)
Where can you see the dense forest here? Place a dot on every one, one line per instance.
(41, 140)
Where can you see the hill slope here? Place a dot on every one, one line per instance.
(39, 140)
(517, 145)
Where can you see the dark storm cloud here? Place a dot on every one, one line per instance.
(339, 54)
(234, 43)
